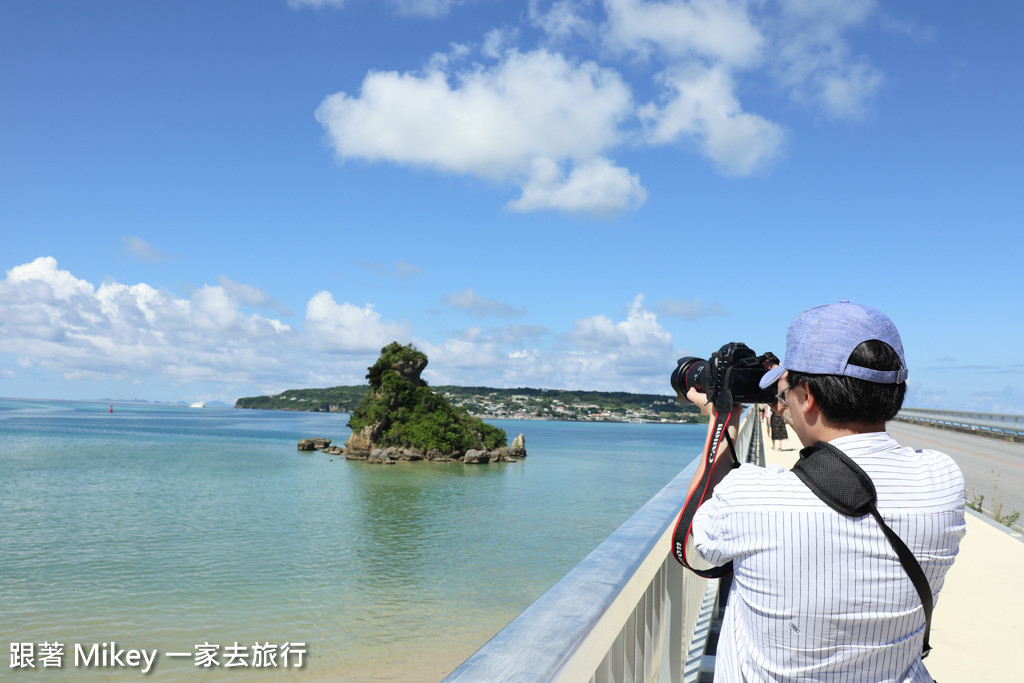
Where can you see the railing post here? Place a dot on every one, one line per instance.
(993, 423)
(672, 656)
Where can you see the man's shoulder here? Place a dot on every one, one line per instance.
(935, 458)
(906, 478)
(750, 471)
(880, 448)
(753, 483)
(759, 473)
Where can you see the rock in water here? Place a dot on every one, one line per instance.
(314, 444)
(361, 441)
(400, 411)
(518, 447)
(476, 457)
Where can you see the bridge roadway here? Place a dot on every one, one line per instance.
(992, 468)
(976, 627)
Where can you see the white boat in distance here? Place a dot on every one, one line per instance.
(197, 404)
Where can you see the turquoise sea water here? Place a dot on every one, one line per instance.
(166, 528)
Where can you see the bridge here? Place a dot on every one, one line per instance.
(628, 612)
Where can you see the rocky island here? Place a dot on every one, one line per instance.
(401, 418)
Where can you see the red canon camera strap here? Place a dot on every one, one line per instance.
(696, 497)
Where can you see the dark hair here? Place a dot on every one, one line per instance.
(847, 399)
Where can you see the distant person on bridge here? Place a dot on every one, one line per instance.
(778, 430)
(816, 595)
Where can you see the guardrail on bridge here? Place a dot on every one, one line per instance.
(627, 612)
(1011, 425)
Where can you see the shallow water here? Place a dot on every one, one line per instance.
(166, 528)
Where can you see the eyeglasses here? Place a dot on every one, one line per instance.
(781, 396)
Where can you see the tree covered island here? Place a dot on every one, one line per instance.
(399, 417)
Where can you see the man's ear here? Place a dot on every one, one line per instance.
(809, 402)
(808, 407)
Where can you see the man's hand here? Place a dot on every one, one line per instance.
(700, 399)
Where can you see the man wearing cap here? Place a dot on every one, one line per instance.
(816, 595)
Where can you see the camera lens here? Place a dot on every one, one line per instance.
(689, 372)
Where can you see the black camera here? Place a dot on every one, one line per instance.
(734, 368)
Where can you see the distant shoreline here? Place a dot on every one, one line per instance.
(517, 403)
(690, 418)
(484, 416)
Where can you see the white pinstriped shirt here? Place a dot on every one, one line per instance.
(817, 596)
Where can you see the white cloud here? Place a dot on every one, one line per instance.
(919, 33)
(828, 16)
(467, 350)
(719, 31)
(600, 353)
(213, 308)
(402, 270)
(516, 335)
(845, 93)
(56, 324)
(317, 4)
(251, 296)
(493, 357)
(142, 251)
(493, 122)
(423, 8)
(406, 271)
(52, 319)
(642, 326)
(688, 309)
(498, 41)
(637, 345)
(549, 123)
(426, 8)
(703, 110)
(598, 332)
(44, 272)
(813, 58)
(347, 328)
(469, 300)
(595, 187)
(563, 19)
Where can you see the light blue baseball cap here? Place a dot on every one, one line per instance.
(821, 340)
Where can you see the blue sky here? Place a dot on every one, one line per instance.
(207, 200)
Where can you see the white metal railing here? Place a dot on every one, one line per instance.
(990, 422)
(627, 612)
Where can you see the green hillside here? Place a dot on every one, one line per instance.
(524, 402)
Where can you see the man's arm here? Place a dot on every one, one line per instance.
(723, 461)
